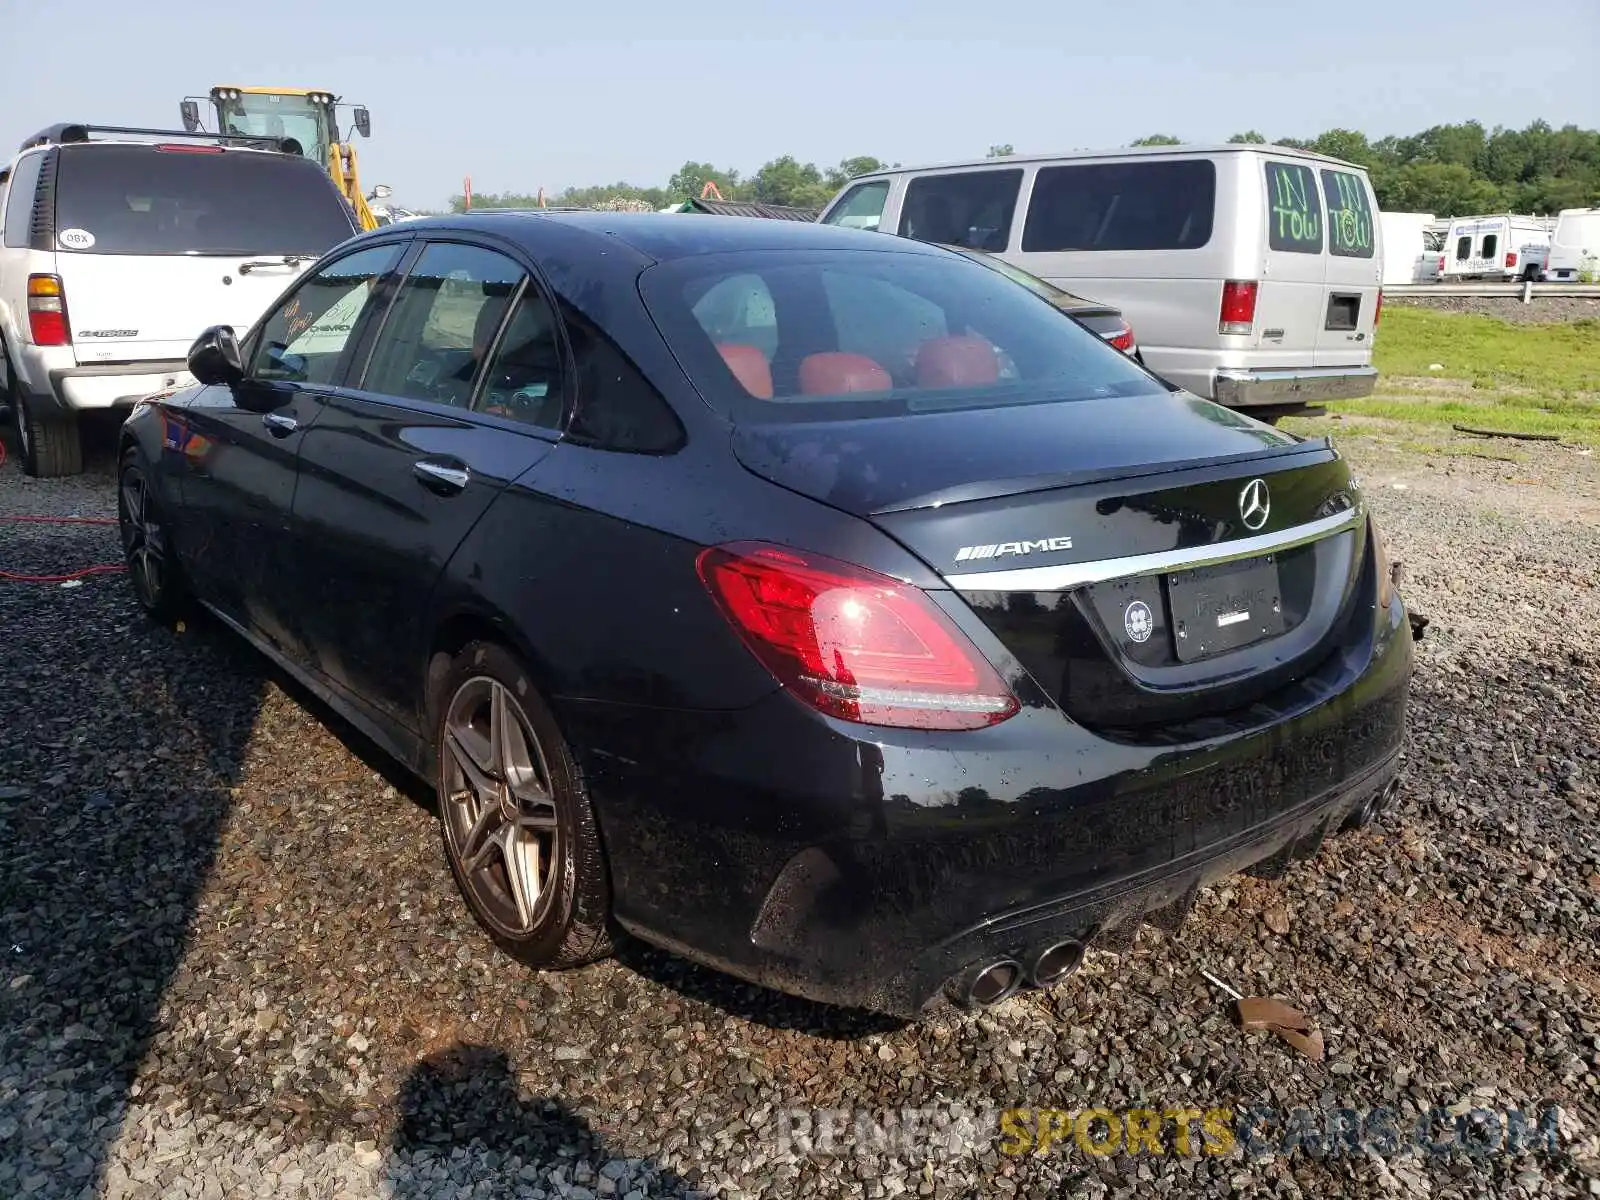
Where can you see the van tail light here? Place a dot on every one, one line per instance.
(1377, 312)
(47, 311)
(1238, 313)
(852, 643)
(1511, 258)
(1123, 339)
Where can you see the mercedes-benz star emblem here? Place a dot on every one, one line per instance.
(1255, 505)
(1138, 621)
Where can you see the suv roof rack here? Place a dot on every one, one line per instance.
(72, 131)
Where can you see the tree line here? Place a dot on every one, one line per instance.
(1448, 170)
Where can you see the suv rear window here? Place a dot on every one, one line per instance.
(1167, 204)
(141, 200)
(791, 336)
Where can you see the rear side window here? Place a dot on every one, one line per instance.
(1294, 209)
(970, 208)
(195, 200)
(1349, 215)
(19, 199)
(1160, 205)
(861, 207)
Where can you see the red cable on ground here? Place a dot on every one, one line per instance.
(71, 576)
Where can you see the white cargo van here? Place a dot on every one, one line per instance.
(1502, 247)
(118, 247)
(1575, 247)
(1408, 256)
(1253, 273)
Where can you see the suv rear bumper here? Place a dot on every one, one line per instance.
(1244, 387)
(110, 386)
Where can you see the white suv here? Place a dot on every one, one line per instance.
(120, 246)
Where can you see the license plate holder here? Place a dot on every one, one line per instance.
(1224, 607)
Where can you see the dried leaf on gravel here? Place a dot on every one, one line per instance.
(1292, 1025)
(1277, 920)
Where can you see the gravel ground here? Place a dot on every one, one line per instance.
(234, 963)
(1545, 309)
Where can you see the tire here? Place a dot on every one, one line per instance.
(153, 568)
(50, 447)
(553, 912)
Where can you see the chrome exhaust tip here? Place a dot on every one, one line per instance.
(987, 985)
(1055, 963)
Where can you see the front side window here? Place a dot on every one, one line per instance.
(442, 325)
(876, 334)
(1159, 204)
(861, 207)
(1294, 210)
(1349, 215)
(123, 199)
(968, 208)
(304, 340)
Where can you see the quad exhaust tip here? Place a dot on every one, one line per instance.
(989, 984)
(1055, 963)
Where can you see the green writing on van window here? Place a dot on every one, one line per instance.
(1295, 212)
(1349, 218)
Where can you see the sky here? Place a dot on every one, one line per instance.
(521, 96)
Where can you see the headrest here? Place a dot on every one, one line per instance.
(494, 307)
(749, 367)
(960, 360)
(832, 373)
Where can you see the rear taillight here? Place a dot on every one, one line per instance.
(1511, 258)
(1238, 313)
(47, 311)
(852, 643)
(1441, 264)
(1377, 312)
(1123, 340)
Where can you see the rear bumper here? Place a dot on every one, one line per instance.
(1243, 387)
(110, 386)
(871, 868)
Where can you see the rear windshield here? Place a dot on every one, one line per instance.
(140, 200)
(790, 336)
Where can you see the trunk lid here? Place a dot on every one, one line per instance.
(1045, 519)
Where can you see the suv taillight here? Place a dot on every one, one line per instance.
(47, 311)
(1238, 313)
(852, 643)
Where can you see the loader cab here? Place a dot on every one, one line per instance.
(306, 116)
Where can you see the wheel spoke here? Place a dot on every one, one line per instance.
(523, 856)
(471, 753)
(481, 839)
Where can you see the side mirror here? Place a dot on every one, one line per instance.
(363, 121)
(191, 115)
(214, 358)
(382, 192)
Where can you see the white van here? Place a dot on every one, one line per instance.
(1253, 273)
(118, 247)
(1502, 247)
(1575, 247)
(1410, 254)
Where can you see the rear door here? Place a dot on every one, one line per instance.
(456, 400)
(155, 243)
(1290, 306)
(1354, 266)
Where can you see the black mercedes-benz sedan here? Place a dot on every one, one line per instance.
(821, 606)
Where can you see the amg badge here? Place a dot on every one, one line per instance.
(1000, 549)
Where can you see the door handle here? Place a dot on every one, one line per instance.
(280, 425)
(444, 478)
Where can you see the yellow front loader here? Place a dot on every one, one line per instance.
(307, 116)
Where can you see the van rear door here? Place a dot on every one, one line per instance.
(1290, 300)
(155, 243)
(1354, 269)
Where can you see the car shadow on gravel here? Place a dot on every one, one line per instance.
(120, 746)
(465, 1124)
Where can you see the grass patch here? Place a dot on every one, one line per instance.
(1507, 414)
(1557, 358)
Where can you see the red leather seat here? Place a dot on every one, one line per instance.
(833, 373)
(960, 360)
(749, 367)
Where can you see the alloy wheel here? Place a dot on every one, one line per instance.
(144, 544)
(499, 808)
